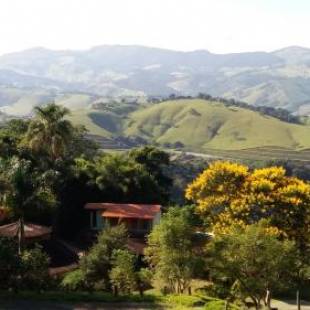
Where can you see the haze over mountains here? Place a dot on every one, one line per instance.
(80, 78)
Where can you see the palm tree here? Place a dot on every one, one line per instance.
(49, 131)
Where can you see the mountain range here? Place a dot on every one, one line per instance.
(79, 79)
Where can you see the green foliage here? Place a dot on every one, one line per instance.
(144, 278)
(254, 260)
(122, 274)
(49, 132)
(35, 265)
(9, 263)
(183, 300)
(170, 251)
(131, 178)
(98, 262)
(74, 281)
(156, 163)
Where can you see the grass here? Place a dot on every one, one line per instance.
(82, 117)
(179, 302)
(199, 124)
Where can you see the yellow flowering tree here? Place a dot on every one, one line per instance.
(228, 193)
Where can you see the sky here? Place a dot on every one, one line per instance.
(220, 26)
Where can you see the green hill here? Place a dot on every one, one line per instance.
(198, 125)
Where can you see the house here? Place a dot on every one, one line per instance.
(138, 218)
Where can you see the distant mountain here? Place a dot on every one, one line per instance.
(278, 79)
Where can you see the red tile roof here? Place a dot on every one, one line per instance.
(123, 210)
(31, 230)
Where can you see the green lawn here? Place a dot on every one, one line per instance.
(149, 300)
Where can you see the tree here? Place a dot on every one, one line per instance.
(229, 193)
(122, 274)
(35, 265)
(23, 191)
(9, 263)
(49, 132)
(156, 163)
(254, 260)
(170, 251)
(98, 262)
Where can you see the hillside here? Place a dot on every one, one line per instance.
(277, 79)
(198, 125)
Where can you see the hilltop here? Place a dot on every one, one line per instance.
(195, 124)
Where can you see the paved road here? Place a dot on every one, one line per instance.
(290, 305)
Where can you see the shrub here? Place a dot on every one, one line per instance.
(34, 269)
(74, 281)
(9, 263)
(96, 265)
(122, 275)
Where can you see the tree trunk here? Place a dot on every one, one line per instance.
(298, 300)
(190, 290)
(256, 302)
(268, 299)
(21, 235)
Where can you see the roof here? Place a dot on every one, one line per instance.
(124, 210)
(31, 230)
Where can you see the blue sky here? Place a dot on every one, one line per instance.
(221, 26)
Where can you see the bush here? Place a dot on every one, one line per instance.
(96, 265)
(184, 300)
(9, 263)
(122, 275)
(35, 269)
(74, 281)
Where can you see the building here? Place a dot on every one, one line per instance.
(138, 218)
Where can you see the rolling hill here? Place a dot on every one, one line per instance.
(278, 79)
(196, 125)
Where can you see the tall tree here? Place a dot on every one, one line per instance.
(23, 191)
(155, 162)
(49, 131)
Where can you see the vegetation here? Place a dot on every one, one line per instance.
(254, 261)
(122, 274)
(97, 264)
(170, 251)
(228, 193)
(246, 234)
(199, 125)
